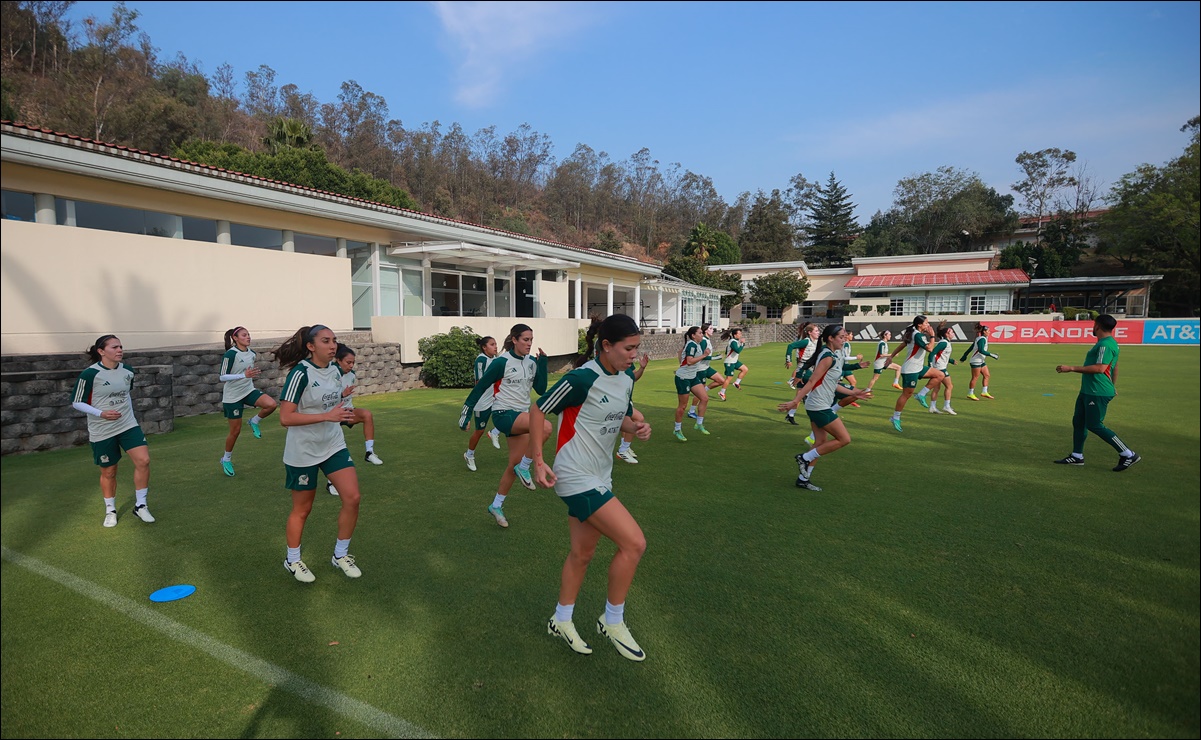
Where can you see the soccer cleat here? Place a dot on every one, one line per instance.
(346, 565)
(792, 382)
(722, 394)
(810, 439)
(300, 571)
(922, 400)
(701, 428)
(805, 469)
(856, 405)
(807, 485)
(680, 436)
(691, 413)
(523, 475)
(934, 408)
(972, 397)
(373, 458)
(499, 513)
(470, 461)
(567, 631)
(228, 467)
(949, 410)
(896, 424)
(494, 435)
(986, 395)
(632, 453)
(737, 385)
(1126, 462)
(330, 487)
(897, 386)
(790, 419)
(141, 512)
(258, 434)
(621, 638)
(1072, 460)
(627, 456)
(110, 519)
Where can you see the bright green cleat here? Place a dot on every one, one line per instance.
(810, 440)
(896, 424)
(922, 400)
(680, 436)
(700, 428)
(258, 434)
(621, 638)
(986, 395)
(972, 397)
(228, 467)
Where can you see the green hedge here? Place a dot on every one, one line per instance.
(1080, 314)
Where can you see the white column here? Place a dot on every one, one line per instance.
(638, 303)
(70, 215)
(609, 312)
(659, 313)
(579, 296)
(289, 240)
(177, 227)
(513, 297)
(490, 296)
(376, 298)
(223, 233)
(43, 205)
(341, 247)
(680, 309)
(427, 289)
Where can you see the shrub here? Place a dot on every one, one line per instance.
(865, 310)
(883, 309)
(850, 310)
(581, 343)
(447, 358)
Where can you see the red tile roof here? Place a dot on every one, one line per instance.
(940, 279)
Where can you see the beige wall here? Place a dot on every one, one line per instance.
(554, 298)
(553, 336)
(63, 286)
(829, 288)
(973, 264)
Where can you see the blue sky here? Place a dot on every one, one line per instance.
(748, 94)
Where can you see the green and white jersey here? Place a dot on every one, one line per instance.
(733, 349)
(236, 362)
(511, 378)
(479, 367)
(1104, 352)
(822, 397)
(804, 347)
(940, 355)
(108, 390)
(591, 403)
(915, 353)
(314, 390)
(980, 351)
(348, 379)
(881, 360)
(847, 353)
(686, 371)
(706, 353)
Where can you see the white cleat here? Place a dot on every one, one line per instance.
(567, 631)
(110, 519)
(300, 571)
(373, 458)
(934, 409)
(495, 437)
(330, 487)
(470, 461)
(627, 456)
(346, 565)
(949, 410)
(621, 638)
(141, 512)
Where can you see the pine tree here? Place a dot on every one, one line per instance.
(832, 226)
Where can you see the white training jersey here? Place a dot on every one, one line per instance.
(706, 352)
(591, 403)
(686, 371)
(940, 355)
(733, 350)
(348, 379)
(236, 362)
(822, 397)
(510, 378)
(881, 360)
(915, 353)
(314, 390)
(980, 353)
(107, 389)
(847, 353)
(479, 367)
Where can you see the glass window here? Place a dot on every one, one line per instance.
(445, 289)
(747, 310)
(977, 304)
(475, 295)
(18, 206)
(389, 292)
(896, 306)
(725, 313)
(254, 236)
(414, 303)
(163, 224)
(502, 299)
(199, 229)
(775, 313)
(362, 305)
(309, 244)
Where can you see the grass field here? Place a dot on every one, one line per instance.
(948, 582)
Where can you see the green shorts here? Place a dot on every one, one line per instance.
(732, 367)
(234, 410)
(705, 374)
(107, 452)
(982, 364)
(878, 370)
(822, 419)
(481, 419)
(305, 478)
(583, 505)
(909, 380)
(684, 385)
(504, 420)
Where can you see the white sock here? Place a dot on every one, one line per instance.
(563, 613)
(1127, 453)
(738, 383)
(227, 457)
(922, 393)
(525, 462)
(947, 404)
(614, 613)
(110, 504)
(493, 432)
(470, 453)
(692, 409)
(255, 419)
(341, 547)
(371, 445)
(140, 495)
(1078, 455)
(834, 408)
(700, 421)
(811, 455)
(985, 390)
(293, 554)
(792, 412)
(499, 501)
(678, 426)
(624, 446)
(896, 414)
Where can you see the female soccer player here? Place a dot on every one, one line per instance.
(704, 373)
(819, 394)
(688, 384)
(238, 373)
(311, 410)
(805, 345)
(940, 357)
(593, 404)
(512, 374)
(916, 341)
(483, 409)
(733, 351)
(624, 450)
(881, 363)
(102, 392)
(345, 360)
(979, 352)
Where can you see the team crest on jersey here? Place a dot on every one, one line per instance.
(303, 480)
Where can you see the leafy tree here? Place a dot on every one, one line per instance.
(832, 226)
(608, 241)
(287, 133)
(711, 246)
(731, 281)
(1152, 226)
(767, 235)
(945, 210)
(1047, 172)
(779, 289)
(687, 268)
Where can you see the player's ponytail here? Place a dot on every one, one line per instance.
(828, 333)
(296, 347)
(612, 329)
(229, 336)
(909, 330)
(93, 352)
(516, 331)
(730, 332)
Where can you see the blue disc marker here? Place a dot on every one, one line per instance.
(173, 593)
(1048, 394)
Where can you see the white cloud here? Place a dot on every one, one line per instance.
(495, 39)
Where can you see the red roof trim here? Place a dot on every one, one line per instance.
(940, 279)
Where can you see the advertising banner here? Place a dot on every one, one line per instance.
(1004, 331)
(1171, 331)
